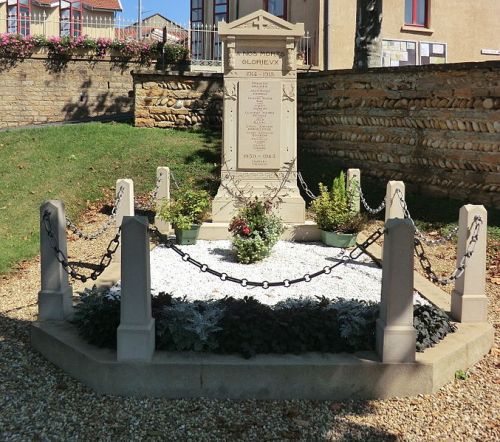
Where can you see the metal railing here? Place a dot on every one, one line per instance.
(202, 41)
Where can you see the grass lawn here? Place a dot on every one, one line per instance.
(79, 164)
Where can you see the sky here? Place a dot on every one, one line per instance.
(176, 10)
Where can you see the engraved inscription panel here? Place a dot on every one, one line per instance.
(259, 124)
(263, 59)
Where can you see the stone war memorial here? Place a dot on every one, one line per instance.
(388, 356)
(259, 155)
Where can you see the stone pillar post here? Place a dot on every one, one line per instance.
(395, 335)
(393, 208)
(468, 300)
(162, 196)
(136, 332)
(55, 297)
(353, 185)
(126, 204)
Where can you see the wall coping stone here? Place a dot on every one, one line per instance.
(492, 64)
(168, 72)
(82, 56)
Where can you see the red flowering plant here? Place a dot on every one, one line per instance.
(255, 231)
(102, 45)
(239, 226)
(143, 50)
(16, 46)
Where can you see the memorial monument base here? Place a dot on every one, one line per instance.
(291, 207)
(304, 232)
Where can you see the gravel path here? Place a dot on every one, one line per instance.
(40, 402)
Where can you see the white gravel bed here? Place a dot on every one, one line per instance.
(360, 279)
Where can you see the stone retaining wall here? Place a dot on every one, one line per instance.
(181, 100)
(35, 91)
(437, 127)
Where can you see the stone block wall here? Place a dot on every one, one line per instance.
(180, 100)
(35, 91)
(436, 127)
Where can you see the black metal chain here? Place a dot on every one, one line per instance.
(353, 255)
(311, 195)
(304, 186)
(418, 233)
(150, 203)
(367, 207)
(104, 227)
(69, 268)
(459, 270)
(172, 176)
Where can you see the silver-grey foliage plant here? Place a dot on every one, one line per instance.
(193, 324)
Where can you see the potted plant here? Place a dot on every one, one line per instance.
(255, 231)
(186, 213)
(332, 212)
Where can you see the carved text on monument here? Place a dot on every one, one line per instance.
(259, 124)
(248, 59)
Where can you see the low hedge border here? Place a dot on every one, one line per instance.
(248, 327)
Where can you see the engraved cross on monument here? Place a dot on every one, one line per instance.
(260, 126)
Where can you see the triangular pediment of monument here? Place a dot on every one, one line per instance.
(261, 23)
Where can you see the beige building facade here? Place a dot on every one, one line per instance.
(413, 32)
(94, 18)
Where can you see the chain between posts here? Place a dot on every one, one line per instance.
(152, 196)
(418, 233)
(70, 269)
(420, 251)
(304, 186)
(369, 209)
(96, 234)
(459, 270)
(311, 195)
(176, 184)
(353, 255)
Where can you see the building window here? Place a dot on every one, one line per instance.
(196, 11)
(18, 17)
(71, 18)
(221, 12)
(276, 7)
(197, 32)
(417, 12)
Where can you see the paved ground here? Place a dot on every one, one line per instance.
(40, 402)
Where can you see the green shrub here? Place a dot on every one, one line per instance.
(255, 231)
(174, 54)
(461, 375)
(97, 316)
(332, 209)
(357, 320)
(188, 207)
(249, 328)
(432, 325)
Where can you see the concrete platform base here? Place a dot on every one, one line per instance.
(309, 376)
(307, 231)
